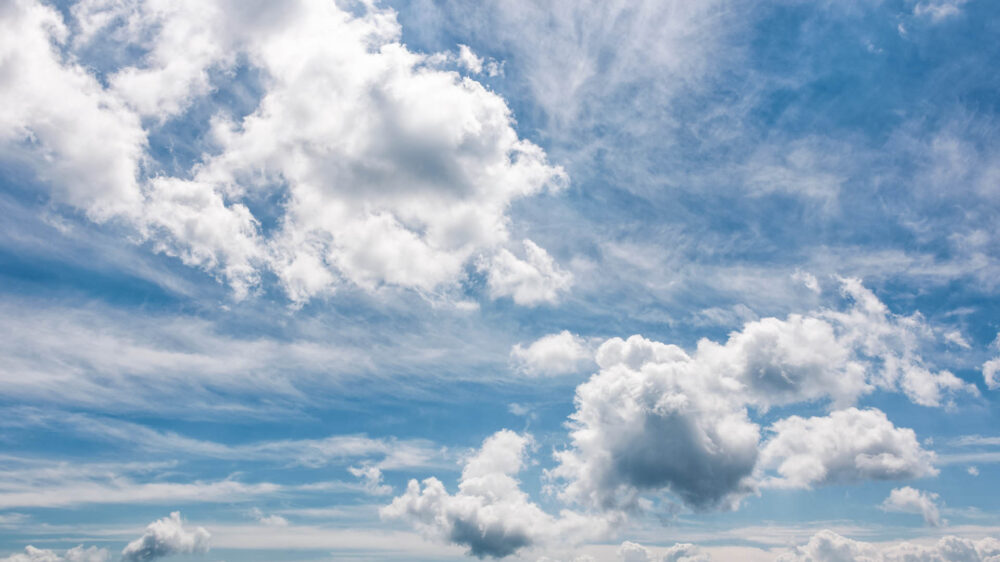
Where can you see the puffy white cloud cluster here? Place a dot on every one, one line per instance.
(991, 373)
(554, 354)
(656, 418)
(911, 500)
(75, 554)
(680, 552)
(846, 446)
(166, 537)
(490, 514)
(390, 170)
(827, 546)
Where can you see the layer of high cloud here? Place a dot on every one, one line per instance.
(490, 514)
(391, 170)
(166, 537)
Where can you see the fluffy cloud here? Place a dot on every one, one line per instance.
(910, 500)
(166, 537)
(554, 354)
(56, 117)
(827, 546)
(75, 554)
(991, 370)
(846, 446)
(681, 552)
(658, 419)
(490, 514)
(390, 170)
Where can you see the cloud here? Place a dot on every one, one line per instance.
(272, 520)
(846, 446)
(658, 419)
(991, 373)
(56, 117)
(555, 354)
(531, 281)
(938, 10)
(681, 552)
(827, 546)
(391, 172)
(910, 500)
(75, 554)
(166, 537)
(371, 477)
(489, 514)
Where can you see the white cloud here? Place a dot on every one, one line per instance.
(489, 514)
(273, 520)
(827, 546)
(531, 281)
(938, 10)
(658, 419)
(555, 354)
(846, 446)
(991, 369)
(392, 172)
(911, 500)
(166, 537)
(681, 552)
(371, 477)
(57, 117)
(75, 554)
(973, 471)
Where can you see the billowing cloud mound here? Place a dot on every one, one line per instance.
(75, 554)
(681, 552)
(827, 546)
(166, 537)
(490, 514)
(389, 169)
(846, 446)
(910, 500)
(656, 418)
(554, 354)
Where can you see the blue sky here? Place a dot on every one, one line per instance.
(436, 280)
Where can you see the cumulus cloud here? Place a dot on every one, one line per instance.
(390, 170)
(911, 500)
(656, 418)
(272, 520)
(371, 478)
(554, 354)
(991, 373)
(827, 546)
(489, 514)
(534, 280)
(166, 537)
(75, 554)
(846, 446)
(680, 552)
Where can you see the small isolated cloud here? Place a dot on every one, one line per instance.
(911, 500)
(75, 554)
(680, 552)
(991, 370)
(846, 446)
(555, 354)
(808, 280)
(268, 520)
(371, 478)
(827, 546)
(166, 537)
(955, 337)
(489, 514)
(939, 10)
(533, 280)
(973, 471)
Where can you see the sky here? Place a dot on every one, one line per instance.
(536, 281)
